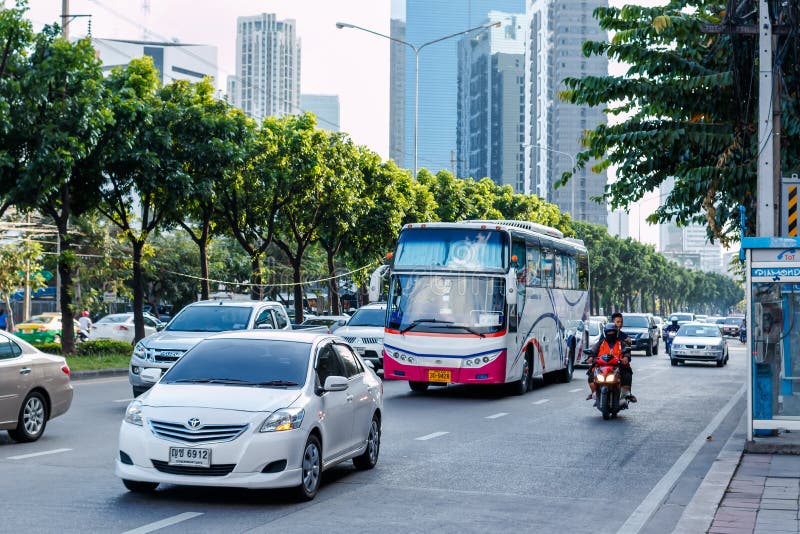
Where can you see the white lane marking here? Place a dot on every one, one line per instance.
(650, 504)
(123, 400)
(34, 454)
(163, 523)
(431, 436)
(541, 401)
(497, 415)
(575, 390)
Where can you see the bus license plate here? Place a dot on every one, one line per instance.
(189, 456)
(435, 375)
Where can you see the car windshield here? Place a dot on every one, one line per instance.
(41, 319)
(368, 317)
(680, 317)
(635, 321)
(243, 362)
(211, 319)
(699, 331)
(594, 328)
(119, 318)
(733, 320)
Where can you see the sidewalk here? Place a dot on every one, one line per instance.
(763, 496)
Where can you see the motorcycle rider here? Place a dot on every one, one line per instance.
(672, 327)
(611, 342)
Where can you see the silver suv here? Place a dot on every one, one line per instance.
(364, 332)
(196, 322)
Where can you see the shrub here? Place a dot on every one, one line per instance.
(49, 348)
(102, 347)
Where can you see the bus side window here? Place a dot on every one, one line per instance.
(534, 265)
(547, 267)
(518, 251)
(583, 271)
(559, 270)
(573, 273)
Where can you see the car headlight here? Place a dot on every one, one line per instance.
(133, 414)
(283, 419)
(140, 351)
(403, 357)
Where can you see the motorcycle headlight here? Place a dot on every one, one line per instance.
(600, 378)
(133, 414)
(140, 351)
(283, 419)
(610, 378)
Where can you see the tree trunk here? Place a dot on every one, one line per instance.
(204, 283)
(138, 291)
(255, 277)
(298, 290)
(65, 264)
(333, 287)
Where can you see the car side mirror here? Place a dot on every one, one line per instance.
(335, 383)
(160, 327)
(151, 375)
(587, 352)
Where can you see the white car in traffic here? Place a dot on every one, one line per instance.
(253, 409)
(364, 331)
(120, 327)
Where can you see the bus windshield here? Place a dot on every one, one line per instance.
(452, 304)
(452, 248)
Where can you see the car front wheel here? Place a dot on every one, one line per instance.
(369, 458)
(311, 470)
(32, 419)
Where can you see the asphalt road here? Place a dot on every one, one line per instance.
(455, 459)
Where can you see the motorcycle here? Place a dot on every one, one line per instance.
(608, 382)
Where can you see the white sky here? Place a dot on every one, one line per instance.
(348, 63)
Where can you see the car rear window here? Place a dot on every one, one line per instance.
(243, 362)
(122, 318)
(733, 320)
(635, 321)
(211, 319)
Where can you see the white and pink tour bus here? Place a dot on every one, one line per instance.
(484, 302)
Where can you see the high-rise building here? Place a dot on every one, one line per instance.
(397, 79)
(490, 107)
(689, 245)
(554, 128)
(267, 79)
(174, 61)
(325, 107)
(425, 21)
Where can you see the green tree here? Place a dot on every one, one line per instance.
(211, 140)
(687, 110)
(62, 112)
(145, 182)
(19, 262)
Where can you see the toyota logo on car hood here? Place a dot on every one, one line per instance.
(194, 422)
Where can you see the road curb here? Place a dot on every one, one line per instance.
(699, 513)
(98, 373)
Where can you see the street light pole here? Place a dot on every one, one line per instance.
(572, 179)
(417, 50)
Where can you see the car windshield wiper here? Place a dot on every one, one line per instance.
(277, 383)
(470, 330)
(215, 381)
(418, 322)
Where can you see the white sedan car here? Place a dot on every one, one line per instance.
(253, 409)
(119, 326)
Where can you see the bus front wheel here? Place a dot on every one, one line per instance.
(418, 386)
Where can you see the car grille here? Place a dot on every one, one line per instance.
(203, 434)
(167, 356)
(218, 470)
(701, 347)
(366, 340)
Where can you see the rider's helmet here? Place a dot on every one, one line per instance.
(85, 313)
(610, 332)
(674, 321)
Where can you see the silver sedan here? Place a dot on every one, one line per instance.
(701, 342)
(34, 388)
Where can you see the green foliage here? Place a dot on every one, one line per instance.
(49, 348)
(687, 110)
(103, 347)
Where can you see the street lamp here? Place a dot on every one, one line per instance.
(572, 178)
(417, 50)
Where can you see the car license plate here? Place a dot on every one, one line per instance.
(360, 350)
(189, 456)
(26, 331)
(435, 375)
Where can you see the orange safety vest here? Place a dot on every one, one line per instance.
(615, 350)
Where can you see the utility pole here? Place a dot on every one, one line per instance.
(65, 18)
(767, 210)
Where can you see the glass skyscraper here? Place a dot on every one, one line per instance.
(423, 21)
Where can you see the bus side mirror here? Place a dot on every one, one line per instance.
(511, 286)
